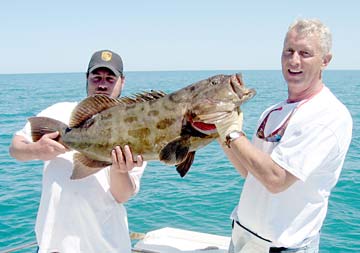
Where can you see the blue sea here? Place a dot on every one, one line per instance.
(203, 200)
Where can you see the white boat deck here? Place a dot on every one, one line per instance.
(165, 240)
(173, 240)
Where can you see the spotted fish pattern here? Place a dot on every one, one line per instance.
(158, 126)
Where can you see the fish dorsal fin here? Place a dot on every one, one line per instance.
(91, 106)
(98, 103)
(84, 166)
(184, 167)
(144, 96)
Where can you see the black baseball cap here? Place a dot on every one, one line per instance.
(106, 59)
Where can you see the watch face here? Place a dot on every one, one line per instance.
(234, 135)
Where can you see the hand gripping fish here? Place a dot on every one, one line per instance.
(158, 126)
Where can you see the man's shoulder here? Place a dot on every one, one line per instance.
(64, 105)
(331, 103)
(60, 107)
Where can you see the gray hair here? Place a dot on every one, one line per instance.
(314, 27)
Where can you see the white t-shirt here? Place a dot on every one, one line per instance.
(78, 215)
(313, 149)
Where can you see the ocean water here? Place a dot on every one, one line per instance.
(203, 200)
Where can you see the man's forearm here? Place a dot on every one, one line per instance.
(122, 186)
(234, 160)
(261, 166)
(44, 149)
(22, 150)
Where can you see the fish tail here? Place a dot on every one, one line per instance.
(43, 125)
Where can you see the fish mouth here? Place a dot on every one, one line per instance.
(236, 82)
(238, 87)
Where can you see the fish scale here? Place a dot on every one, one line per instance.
(158, 126)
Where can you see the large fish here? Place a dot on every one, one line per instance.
(158, 126)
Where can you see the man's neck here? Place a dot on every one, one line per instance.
(294, 96)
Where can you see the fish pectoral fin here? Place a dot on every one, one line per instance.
(184, 167)
(85, 166)
(175, 151)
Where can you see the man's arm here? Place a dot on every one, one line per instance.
(234, 160)
(122, 185)
(258, 163)
(44, 149)
(248, 158)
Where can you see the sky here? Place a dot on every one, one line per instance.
(60, 36)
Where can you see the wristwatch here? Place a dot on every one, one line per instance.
(233, 136)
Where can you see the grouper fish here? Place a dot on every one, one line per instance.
(158, 126)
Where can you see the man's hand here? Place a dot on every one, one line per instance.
(122, 160)
(47, 148)
(122, 185)
(234, 122)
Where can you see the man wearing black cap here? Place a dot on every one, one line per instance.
(85, 215)
(105, 74)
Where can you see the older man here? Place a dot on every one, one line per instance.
(296, 155)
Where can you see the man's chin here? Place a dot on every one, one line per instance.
(293, 79)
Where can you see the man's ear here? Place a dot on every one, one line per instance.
(122, 82)
(327, 58)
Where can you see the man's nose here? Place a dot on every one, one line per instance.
(295, 58)
(103, 82)
(102, 86)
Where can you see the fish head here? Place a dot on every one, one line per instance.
(216, 97)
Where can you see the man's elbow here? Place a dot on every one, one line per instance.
(276, 185)
(18, 151)
(14, 154)
(21, 155)
(121, 197)
(274, 189)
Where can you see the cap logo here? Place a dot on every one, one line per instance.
(106, 56)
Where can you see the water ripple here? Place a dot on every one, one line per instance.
(204, 198)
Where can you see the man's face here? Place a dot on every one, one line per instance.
(103, 81)
(302, 61)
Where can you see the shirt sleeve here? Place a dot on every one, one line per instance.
(304, 149)
(25, 132)
(55, 111)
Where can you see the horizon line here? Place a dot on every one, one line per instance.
(178, 70)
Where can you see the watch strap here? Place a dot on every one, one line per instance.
(230, 137)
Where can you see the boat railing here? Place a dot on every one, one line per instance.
(20, 247)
